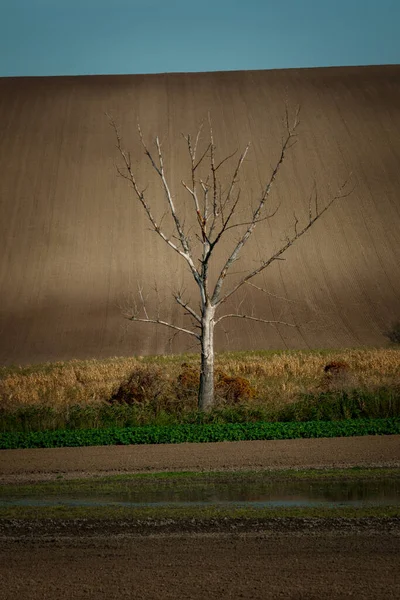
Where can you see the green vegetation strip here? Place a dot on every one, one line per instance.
(199, 433)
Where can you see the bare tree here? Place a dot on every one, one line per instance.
(216, 209)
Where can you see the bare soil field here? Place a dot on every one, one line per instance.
(74, 242)
(40, 464)
(298, 566)
(289, 559)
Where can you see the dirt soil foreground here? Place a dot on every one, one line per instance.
(305, 560)
(41, 464)
(201, 567)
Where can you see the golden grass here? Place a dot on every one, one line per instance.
(64, 383)
(277, 377)
(285, 375)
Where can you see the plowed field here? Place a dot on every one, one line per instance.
(74, 242)
(40, 464)
(305, 566)
(296, 560)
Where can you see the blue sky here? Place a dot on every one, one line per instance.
(77, 37)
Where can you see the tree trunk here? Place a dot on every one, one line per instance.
(206, 389)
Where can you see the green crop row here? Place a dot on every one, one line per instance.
(199, 433)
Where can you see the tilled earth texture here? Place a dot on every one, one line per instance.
(75, 243)
(40, 464)
(306, 564)
(288, 558)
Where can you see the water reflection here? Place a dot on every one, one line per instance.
(252, 493)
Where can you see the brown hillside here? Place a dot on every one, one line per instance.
(74, 241)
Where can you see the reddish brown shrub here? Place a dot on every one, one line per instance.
(233, 389)
(146, 383)
(336, 367)
(337, 376)
(187, 382)
(227, 388)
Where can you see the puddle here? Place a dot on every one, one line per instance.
(251, 494)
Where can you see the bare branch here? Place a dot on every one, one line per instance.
(224, 160)
(296, 221)
(161, 322)
(143, 301)
(202, 218)
(197, 140)
(195, 166)
(256, 214)
(184, 251)
(269, 293)
(182, 238)
(193, 149)
(260, 220)
(225, 223)
(192, 193)
(186, 306)
(234, 180)
(140, 194)
(148, 154)
(251, 318)
(235, 175)
(289, 241)
(213, 170)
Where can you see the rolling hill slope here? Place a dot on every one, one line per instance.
(74, 242)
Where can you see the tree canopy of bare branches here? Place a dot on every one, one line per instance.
(215, 204)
